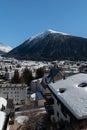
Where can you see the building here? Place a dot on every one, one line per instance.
(39, 99)
(67, 102)
(35, 85)
(17, 92)
(54, 75)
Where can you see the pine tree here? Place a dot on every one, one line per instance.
(16, 78)
(39, 73)
(27, 76)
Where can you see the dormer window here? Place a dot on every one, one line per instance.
(61, 90)
(82, 85)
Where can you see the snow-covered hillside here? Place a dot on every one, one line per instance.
(44, 34)
(5, 48)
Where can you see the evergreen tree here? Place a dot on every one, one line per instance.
(39, 73)
(16, 78)
(6, 69)
(27, 76)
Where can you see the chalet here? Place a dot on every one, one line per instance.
(41, 85)
(67, 102)
(54, 75)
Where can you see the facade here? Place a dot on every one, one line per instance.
(39, 99)
(35, 85)
(9, 75)
(17, 92)
(54, 75)
(67, 102)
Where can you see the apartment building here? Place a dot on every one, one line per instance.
(17, 92)
(67, 102)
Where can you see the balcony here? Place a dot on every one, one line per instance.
(47, 95)
(49, 108)
(49, 99)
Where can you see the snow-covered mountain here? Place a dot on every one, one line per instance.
(5, 48)
(40, 36)
(44, 34)
(51, 45)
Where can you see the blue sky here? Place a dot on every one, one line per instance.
(21, 19)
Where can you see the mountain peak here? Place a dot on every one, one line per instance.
(44, 34)
(57, 46)
(52, 31)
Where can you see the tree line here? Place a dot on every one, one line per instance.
(27, 76)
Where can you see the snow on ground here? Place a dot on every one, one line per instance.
(2, 119)
(33, 96)
(5, 48)
(2, 102)
(42, 35)
(22, 119)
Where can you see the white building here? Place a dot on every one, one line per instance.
(17, 92)
(9, 75)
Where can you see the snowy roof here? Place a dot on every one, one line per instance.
(74, 96)
(8, 85)
(3, 102)
(2, 119)
(22, 119)
(33, 96)
(35, 80)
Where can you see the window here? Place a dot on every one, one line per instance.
(4, 92)
(58, 102)
(62, 90)
(82, 85)
(58, 114)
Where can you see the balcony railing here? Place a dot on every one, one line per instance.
(47, 95)
(49, 99)
(49, 108)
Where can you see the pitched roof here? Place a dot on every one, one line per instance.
(74, 94)
(52, 74)
(39, 95)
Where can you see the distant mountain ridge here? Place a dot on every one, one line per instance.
(4, 48)
(51, 45)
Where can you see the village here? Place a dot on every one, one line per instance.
(43, 95)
